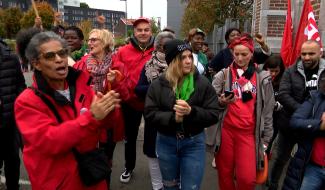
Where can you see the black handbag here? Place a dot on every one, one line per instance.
(92, 165)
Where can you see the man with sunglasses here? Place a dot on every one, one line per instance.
(12, 83)
(131, 58)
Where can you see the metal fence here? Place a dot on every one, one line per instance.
(216, 39)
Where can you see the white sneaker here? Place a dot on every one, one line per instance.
(126, 176)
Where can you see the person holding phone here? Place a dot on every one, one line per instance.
(246, 96)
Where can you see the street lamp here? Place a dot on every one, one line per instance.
(141, 8)
(126, 18)
(159, 22)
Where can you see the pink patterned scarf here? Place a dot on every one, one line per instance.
(98, 70)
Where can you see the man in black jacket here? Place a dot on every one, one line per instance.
(12, 83)
(296, 83)
(306, 168)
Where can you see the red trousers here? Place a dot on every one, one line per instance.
(236, 161)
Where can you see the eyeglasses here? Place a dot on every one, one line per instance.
(63, 53)
(92, 40)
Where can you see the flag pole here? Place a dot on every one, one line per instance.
(35, 8)
(37, 14)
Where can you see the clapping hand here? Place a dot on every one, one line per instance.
(102, 105)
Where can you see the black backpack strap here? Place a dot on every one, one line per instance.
(47, 102)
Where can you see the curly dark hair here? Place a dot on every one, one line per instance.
(77, 30)
(228, 32)
(272, 62)
(23, 37)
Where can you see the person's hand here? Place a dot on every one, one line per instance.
(181, 109)
(101, 20)
(111, 75)
(102, 105)
(38, 22)
(57, 18)
(223, 100)
(260, 40)
(178, 118)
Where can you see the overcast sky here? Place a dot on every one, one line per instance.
(151, 8)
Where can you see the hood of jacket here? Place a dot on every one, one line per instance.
(136, 44)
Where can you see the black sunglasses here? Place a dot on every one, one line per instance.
(63, 53)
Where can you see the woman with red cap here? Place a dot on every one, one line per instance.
(246, 96)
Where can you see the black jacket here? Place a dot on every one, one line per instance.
(150, 133)
(160, 100)
(306, 122)
(292, 91)
(12, 83)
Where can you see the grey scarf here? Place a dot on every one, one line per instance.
(155, 66)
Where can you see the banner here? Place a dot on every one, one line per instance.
(307, 30)
(286, 46)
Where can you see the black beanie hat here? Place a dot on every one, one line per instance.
(173, 47)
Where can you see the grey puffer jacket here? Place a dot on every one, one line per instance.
(264, 109)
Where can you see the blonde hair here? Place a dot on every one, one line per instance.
(106, 37)
(174, 72)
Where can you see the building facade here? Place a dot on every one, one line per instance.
(269, 17)
(123, 26)
(175, 12)
(24, 4)
(74, 15)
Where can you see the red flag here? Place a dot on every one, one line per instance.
(307, 30)
(286, 46)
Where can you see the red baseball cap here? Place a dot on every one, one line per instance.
(140, 19)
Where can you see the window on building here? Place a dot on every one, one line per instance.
(0, 3)
(12, 4)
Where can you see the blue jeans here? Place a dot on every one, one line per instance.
(314, 178)
(181, 161)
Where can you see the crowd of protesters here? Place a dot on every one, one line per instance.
(86, 96)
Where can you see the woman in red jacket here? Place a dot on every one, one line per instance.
(98, 63)
(49, 144)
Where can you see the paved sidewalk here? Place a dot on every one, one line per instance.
(141, 179)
